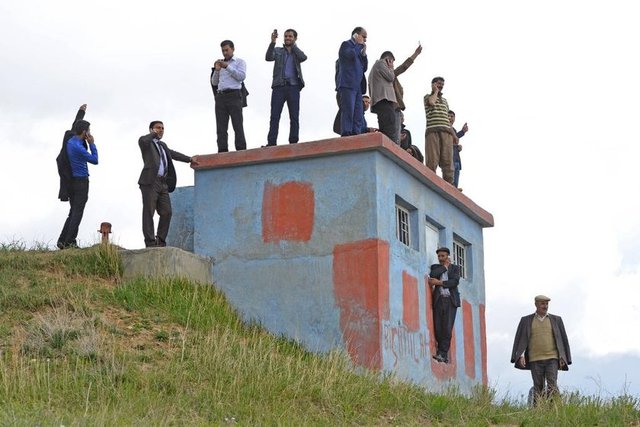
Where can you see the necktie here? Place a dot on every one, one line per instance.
(163, 164)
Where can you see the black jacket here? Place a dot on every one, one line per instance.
(64, 167)
(452, 283)
(151, 159)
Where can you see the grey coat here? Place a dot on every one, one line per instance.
(381, 80)
(521, 341)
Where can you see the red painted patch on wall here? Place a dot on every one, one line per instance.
(442, 371)
(469, 347)
(287, 211)
(410, 303)
(361, 287)
(483, 345)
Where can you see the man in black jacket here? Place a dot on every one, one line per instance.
(444, 278)
(157, 180)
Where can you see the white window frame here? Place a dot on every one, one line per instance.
(403, 225)
(460, 257)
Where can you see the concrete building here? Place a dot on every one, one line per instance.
(329, 242)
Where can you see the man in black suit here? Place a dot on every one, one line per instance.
(444, 278)
(157, 180)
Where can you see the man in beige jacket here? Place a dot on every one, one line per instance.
(383, 96)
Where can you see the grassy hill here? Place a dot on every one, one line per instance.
(79, 346)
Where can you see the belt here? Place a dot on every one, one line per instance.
(81, 178)
(229, 91)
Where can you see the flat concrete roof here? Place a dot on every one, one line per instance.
(344, 145)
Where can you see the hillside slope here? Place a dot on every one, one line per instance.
(79, 346)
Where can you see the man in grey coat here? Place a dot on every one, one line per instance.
(541, 346)
(286, 85)
(383, 95)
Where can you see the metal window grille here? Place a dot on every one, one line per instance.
(460, 258)
(403, 230)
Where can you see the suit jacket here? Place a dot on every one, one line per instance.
(523, 334)
(151, 158)
(396, 83)
(453, 272)
(351, 67)
(62, 161)
(381, 80)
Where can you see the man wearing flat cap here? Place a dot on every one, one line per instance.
(444, 278)
(541, 346)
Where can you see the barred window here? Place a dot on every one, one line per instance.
(403, 230)
(460, 257)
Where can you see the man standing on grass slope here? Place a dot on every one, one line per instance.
(78, 150)
(541, 346)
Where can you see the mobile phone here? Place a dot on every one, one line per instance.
(275, 31)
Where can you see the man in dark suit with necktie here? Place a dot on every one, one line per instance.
(444, 278)
(157, 180)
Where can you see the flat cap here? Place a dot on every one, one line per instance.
(443, 249)
(542, 298)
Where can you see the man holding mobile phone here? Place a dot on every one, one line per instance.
(157, 180)
(351, 83)
(227, 82)
(383, 96)
(286, 84)
(80, 150)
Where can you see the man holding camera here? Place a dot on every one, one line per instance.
(286, 85)
(227, 82)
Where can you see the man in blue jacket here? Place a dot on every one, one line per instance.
(351, 82)
(287, 84)
(78, 191)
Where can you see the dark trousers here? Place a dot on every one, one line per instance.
(444, 316)
(280, 95)
(155, 197)
(351, 111)
(544, 371)
(387, 123)
(78, 196)
(229, 105)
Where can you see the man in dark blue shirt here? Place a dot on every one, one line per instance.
(457, 148)
(286, 85)
(78, 156)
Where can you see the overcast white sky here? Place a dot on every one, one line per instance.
(549, 90)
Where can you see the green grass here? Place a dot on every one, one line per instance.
(78, 346)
